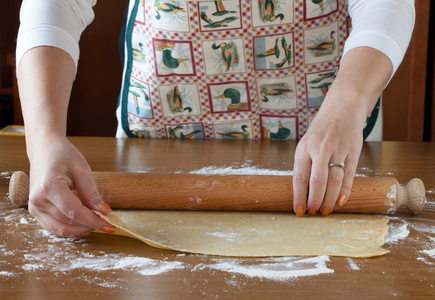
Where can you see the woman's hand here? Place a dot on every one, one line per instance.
(58, 169)
(335, 136)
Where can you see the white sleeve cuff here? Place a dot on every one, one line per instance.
(46, 35)
(385, 25)
(56, 23)
(379, 41)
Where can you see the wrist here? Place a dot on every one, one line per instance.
(38, 141)
(349, 101)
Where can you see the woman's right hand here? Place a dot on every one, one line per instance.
(45, 76)
(57, 168)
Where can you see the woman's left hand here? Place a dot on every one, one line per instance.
(334, 137)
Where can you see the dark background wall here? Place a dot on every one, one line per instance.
(95, 92)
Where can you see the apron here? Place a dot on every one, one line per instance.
(235, 69)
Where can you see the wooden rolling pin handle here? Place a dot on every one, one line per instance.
(19, 189)
(412, 195)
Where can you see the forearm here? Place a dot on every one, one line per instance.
(46, 57)
(45, 77)
(363, 74)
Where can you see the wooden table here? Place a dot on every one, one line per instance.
(35, 264)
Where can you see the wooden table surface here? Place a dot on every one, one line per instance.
(37, 265)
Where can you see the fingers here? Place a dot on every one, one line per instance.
(349, 175)
(59, 211)
(334, 186)
(60, 226)
(318, 187)
(301, 175)
(70, 206)
(89, 194)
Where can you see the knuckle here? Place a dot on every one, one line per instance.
(318, 180)
(32, 210)
(300, 178)
(36, 204)
(301, 149)
(74, 214)
(335, 179)
(36, 201)
(54, 183)
(346, 189)
(70, 222)
(94, 196)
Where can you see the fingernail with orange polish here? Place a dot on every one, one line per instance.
(108, 229)
(312, 211)
(326, 211)
(300, 211)
(84, 234)
(342, 200)
(104, 206)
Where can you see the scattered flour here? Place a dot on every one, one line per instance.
(230, 237)
(246, 170)
(425, 225)
(196, 199)
(143, 266)
(6, 273)
(430, 253)
(367, 172)
(23, 221)
(5, 174)
(277, 268)
(352, 264)
(397, 232)
(430, 196)
(361, 175)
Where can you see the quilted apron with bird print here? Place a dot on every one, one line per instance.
(235, 69)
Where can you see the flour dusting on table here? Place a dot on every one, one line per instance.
(247, 170)
(352, 264)
(397, 231)
(141, 265)
(42, 251)
(367, 172)
(5, 175)
(277, 268)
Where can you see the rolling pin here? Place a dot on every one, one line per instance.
(382, 195)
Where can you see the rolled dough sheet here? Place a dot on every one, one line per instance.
(252, 234)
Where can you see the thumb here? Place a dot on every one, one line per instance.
(88, 193)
